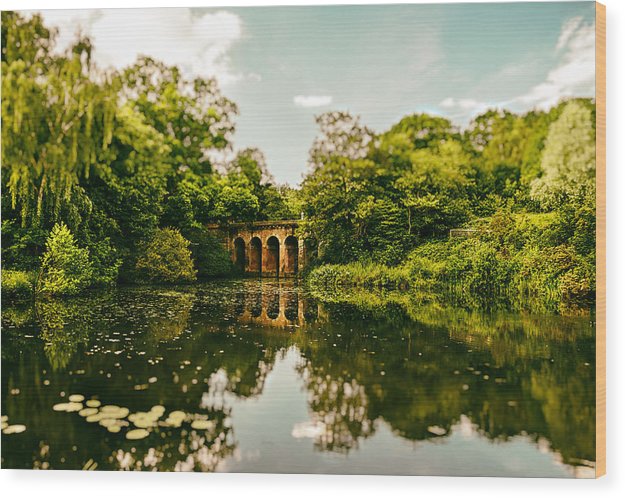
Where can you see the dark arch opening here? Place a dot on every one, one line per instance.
(239, 254)
(291, 309)
(257, 302)
(273, 304)
(291, 264)
(273, 254)
(256, 255)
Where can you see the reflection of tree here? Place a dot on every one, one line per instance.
(339, 409)
(17, 315)
(413, 364)
(168, 321)
(421, 365)
(64, 324)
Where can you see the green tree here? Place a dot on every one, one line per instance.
(167, 258)
(192, 114)
(65, 267)
(340, 179)
(251, 165)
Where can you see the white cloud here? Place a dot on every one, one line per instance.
(312, 100)
(568, 30)
(575, 74)
(198, 44)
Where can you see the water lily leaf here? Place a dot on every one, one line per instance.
(85, 412)
(137, 434)
(202, 425)
(67, 407)
(14, 429)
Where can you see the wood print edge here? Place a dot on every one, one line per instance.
(600, 97)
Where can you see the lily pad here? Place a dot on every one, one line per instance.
(14, 429)
(67, 407)
(143, 420)
(113, 411)
(108, 422)
(137, 434)
(110, 408)
(202, 425)
(85, 412)
(96, 417)
(158, 409)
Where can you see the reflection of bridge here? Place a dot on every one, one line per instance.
(278, 306)
(267, 248)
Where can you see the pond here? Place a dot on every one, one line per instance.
(260, 376)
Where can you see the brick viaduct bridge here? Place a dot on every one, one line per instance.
(263, 248)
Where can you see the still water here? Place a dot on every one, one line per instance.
(260, 376)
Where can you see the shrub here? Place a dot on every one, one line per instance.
(166, 258)
(17, 284)
(65, 268)
(211, 258)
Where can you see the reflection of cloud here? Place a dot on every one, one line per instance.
(465, 427)
(576, 72)
(198, 44)
(308, 429)
(312, 100)
(218, 384)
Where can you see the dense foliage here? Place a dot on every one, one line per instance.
(166, 258)
(381, 206)
(116, 156)
(123, 161)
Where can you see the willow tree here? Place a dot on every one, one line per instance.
(57, 112)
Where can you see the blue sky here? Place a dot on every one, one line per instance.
(284, 65)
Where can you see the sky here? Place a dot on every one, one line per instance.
(285, 65)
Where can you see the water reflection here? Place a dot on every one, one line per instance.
(275, 304)
(266, 368)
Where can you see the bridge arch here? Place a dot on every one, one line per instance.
(273, 255)
(256, 255)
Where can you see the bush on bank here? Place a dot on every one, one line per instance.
(17, 284)
(166, 258)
